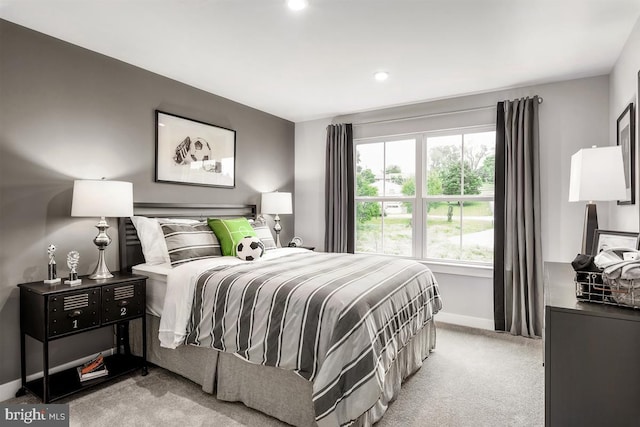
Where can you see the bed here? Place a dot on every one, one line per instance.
(338, 336)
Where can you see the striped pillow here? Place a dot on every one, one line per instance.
(190, 242)
(151, 237)
(264, 234)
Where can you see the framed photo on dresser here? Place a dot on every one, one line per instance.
(608, 239)
(193, 152)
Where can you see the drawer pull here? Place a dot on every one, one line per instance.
(123, 303)
(75, 313)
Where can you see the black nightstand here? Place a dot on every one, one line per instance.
(49, 312)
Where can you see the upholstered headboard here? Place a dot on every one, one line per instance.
(130, 249)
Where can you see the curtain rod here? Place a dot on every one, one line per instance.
(423, 116)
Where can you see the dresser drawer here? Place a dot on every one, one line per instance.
(122, 302)
(73, 311)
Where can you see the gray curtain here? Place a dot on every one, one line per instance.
(518, 277)
(339, 190)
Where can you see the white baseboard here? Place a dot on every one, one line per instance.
(459, 319)
(8, 390)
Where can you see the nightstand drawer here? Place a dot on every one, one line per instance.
(73, 311)
(122, 302)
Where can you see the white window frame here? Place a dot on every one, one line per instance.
(420, 199)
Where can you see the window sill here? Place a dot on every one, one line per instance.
(460, 269)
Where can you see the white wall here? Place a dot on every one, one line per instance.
(623, 89)
(309, 175)
(575, 114)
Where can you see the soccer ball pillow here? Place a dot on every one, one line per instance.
(250, 248)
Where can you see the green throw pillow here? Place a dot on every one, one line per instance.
(230, 232)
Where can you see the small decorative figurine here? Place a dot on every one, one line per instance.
(52, 277)
(73, 258)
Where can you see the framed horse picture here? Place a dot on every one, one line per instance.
(193, 152)
(625, 128)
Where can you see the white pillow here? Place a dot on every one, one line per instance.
(154, 247)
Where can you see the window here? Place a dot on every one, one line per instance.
(428, 195)
(385, 197)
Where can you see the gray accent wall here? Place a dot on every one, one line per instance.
(69, 113)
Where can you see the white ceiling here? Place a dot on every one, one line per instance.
(319, 62)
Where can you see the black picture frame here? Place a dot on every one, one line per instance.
(192, 152)
(625, 137)
(609, 239)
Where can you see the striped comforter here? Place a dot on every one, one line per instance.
(337, 320)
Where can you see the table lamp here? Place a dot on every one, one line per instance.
(102, 198)
(597, 174)
(276, 203)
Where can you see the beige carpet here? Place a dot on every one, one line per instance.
(474, 378)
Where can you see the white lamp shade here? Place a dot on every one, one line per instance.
(276, 203)
(101, 198)
(597, 174)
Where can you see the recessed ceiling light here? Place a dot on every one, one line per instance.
(297, 4)
(381, 76)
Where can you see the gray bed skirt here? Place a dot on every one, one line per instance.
(273, 391)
